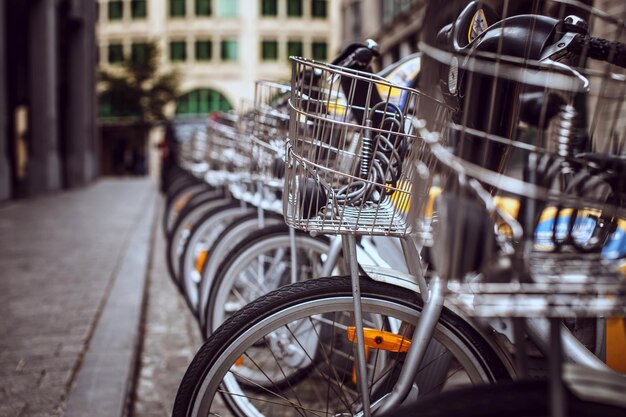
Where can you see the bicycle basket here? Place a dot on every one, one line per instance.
(532, 207)
(227, 151)
(265, 124)
(352, 151)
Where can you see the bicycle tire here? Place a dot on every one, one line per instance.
(205, 230)
(178, 201)
(521, 398)
(236, 232)
(270, 238)
(183, 224)
(250, 326)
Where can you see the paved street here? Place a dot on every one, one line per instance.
(60, 258)
(171, 338)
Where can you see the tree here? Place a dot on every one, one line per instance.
(137, 89)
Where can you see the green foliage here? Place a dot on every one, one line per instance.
(137, 89)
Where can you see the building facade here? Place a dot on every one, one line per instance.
(47, 96)
(395, 24)
(220, 47)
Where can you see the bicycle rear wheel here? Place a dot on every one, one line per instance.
(288, 352)
(521, 398)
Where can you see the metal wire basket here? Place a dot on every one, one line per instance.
(193, 146)
(227, 151)
(351, 151)
(542, 129)
(265, 124)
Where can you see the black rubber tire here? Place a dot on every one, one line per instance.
(234, 256)
(306, 291)
(181, 219)
(521, 398)
(226, 233)
(187, 247)
(171, 200)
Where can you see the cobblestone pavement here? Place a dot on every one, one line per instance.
(171, 338)
(58, 257)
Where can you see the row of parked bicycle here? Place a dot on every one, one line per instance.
(356, 243)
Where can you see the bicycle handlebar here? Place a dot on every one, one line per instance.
(613, 52)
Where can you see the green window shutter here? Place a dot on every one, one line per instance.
(138, 9)
(320, 51)
(203, 7)
(295, 48)
(229, 50)
(202, 101)
(269, 7)
(294, 8)
(116, 10)
(139, 52)
(182, 106)
(269, 50)
(178, 51)
(116, 53)
(228, 8)
(204, 50)
(177, 8)
(318, 8)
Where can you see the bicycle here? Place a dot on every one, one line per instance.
(319, 307)
(537, 268)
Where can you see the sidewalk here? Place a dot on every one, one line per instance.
(72, 275)
(170, 340)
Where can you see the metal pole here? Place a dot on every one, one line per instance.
(558, 406)
(421, 338)
(361, 368)
(294, 255)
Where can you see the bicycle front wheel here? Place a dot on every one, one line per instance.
(289, 353)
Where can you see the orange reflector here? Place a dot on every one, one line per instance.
(616, 344)
(379, 339)
(367, 355)
(181, 202)
(200, 260)
(239, 361)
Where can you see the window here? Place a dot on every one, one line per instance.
(138, 9)
(269, 50)
(202, 101)
(294, 8)
(204, 50)
(227, 8)
(269, 8)
(229, 50)
(116, 10)
(177, 8)
(356, 20)
(320, 51)
(318, 8)
(139, 52)
(392, 8)
(116, 53)
(295, 48)
(178, 51)
(203, 7)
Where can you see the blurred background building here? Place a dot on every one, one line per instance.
(47, 96)
(219, 48)
(394, 24)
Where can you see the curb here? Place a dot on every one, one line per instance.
(103, 383)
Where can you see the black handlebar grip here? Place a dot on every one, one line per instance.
(612, 52)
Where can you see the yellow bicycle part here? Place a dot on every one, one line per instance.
(201, 259)
(380, 339)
